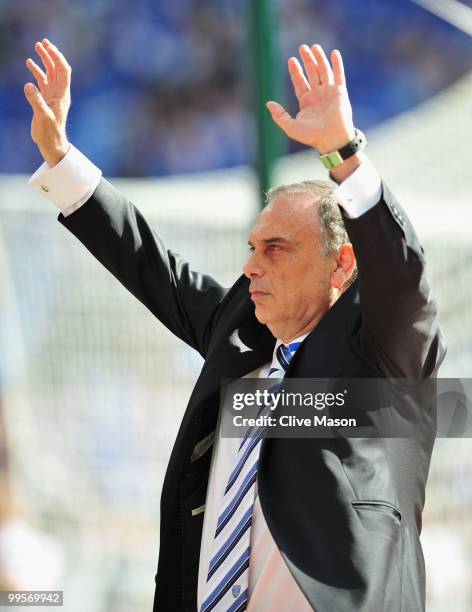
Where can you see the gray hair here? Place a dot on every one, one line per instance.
(333, 230)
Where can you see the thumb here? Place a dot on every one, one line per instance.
(36, 100)
(281, 116)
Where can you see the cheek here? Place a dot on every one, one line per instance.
(282, 284)
(293, 284)
(312, 282)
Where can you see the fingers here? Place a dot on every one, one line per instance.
(36, 100)
(317, 68)
(281, 117)
(300, 84)
(63, 70)
(338, 68)
(47, 61)
(324, 68)
(311, 66)
(37, 73)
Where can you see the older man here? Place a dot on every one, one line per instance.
(277, 523)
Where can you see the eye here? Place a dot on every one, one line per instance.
(272, 247)
(251, 248)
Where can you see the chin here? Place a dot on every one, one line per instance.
(261, 316)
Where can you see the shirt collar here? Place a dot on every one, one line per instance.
(279, 342)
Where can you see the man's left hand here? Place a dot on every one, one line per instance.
(324, 121)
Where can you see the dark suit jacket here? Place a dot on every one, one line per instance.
(345, 513)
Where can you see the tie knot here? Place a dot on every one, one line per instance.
(282, 358)
(285, 353)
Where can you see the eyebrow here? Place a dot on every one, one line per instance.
(271, 240)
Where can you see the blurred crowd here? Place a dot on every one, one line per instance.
(160, 86)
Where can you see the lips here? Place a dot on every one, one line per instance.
(258, 294)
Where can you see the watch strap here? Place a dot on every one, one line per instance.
(335, 158)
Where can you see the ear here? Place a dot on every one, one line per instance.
(343, 266)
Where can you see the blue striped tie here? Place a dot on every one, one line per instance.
(227, 581)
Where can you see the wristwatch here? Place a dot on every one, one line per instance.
(335, 158)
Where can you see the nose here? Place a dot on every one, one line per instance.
(253, 269)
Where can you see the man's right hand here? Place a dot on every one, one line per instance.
(50, 103)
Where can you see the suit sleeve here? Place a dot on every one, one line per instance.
(400, 326)
(116, 233)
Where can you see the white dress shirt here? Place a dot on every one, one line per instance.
(70, 184)
(271, 586)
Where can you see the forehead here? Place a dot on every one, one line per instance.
(288, 218)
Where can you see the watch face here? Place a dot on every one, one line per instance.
(331, 160)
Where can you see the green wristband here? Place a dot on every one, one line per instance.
(331, 160)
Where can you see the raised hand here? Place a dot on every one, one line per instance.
(324, 120)
(51, 102)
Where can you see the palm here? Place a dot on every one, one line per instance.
(56, 97)
(319, 109)
(58, 102)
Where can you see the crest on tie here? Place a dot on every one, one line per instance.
(235, 590)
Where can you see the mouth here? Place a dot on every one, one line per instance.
(257, 295)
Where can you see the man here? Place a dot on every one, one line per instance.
(329, 523)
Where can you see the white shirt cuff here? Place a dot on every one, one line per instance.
(360, 191)
(70, 183)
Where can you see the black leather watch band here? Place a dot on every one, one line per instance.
(357, 144)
